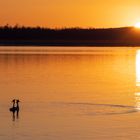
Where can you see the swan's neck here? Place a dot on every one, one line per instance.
(13, 104)
(18, 105)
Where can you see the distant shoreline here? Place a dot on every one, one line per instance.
(68, 43)
(29, 36)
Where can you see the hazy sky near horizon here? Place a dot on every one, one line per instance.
(70, 13)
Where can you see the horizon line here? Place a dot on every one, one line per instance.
(60, 28)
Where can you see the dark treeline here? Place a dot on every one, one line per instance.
(68, 36)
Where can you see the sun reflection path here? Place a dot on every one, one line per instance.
(138, 68)
(137, 93)
(137, 99)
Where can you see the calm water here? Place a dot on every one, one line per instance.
(70, 93)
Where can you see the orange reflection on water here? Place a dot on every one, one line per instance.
(66, 93)
(137, 93)
(138, 68)
(137, 99)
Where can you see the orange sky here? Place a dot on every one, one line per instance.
(70, 13)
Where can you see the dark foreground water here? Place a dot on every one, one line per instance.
(70, 93)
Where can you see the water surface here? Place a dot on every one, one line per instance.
(70, 93)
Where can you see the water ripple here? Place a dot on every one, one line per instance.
(92, 109)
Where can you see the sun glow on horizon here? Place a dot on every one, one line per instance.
(137, 25)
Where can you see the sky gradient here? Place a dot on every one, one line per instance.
(70, 13)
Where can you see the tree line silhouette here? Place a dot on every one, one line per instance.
(68, 36)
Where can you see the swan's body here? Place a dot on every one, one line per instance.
(13, 109)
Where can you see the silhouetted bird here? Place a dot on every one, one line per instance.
(15, 108)
(12, 109)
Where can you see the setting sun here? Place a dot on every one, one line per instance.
(137, 25)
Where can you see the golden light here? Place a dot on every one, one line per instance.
(137, 25)
(138, 68)
(137, 92)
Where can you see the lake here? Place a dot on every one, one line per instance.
(80, 93)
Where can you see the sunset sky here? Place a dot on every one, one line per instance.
(70, 13)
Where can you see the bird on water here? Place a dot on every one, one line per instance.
(15, 108)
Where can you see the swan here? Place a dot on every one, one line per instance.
(15, 108)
